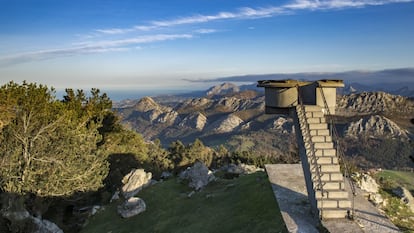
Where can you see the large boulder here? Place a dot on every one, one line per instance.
(132, 207)
(241, 168)
(46, 226)
(37, 225)
(134, 181)
(198, 175)
(405, 196)
(368, 184)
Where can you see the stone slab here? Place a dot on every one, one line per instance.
(288, 184)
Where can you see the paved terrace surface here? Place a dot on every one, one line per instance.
(288, 184)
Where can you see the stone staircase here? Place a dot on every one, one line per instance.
(324, 180)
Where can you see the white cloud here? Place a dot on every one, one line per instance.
(90, 47)
(239, 14)
(205, 31)
(252, 13)
(337, 4)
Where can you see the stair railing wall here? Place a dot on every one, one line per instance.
(340, 152)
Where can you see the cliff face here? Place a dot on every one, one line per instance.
(375, 126)
(223, 89)
(375, 102)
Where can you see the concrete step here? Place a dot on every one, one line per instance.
(330, 168)
(318, 126)
(314, 114)
(319, 132)
(316, 120)
(323, 145)
(313, 108)
(334, 213)
(335, 194)
(333, 185)
(334, 203)
(325, 152)
(332, 176)
(327, 160)
(321, 138)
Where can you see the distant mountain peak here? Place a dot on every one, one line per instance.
(375, 102)
(223, 89)
(146, 104)
(375, 125)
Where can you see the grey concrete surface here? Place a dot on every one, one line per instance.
(288, 184)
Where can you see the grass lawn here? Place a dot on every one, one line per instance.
(398, 212)
(244, 204)
(398, 178)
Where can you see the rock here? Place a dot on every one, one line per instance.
(95, 209)
(198, 175)
(45, 226)
(39, 225)
(194, 120)
(367, 183)
(405, 196)
(168, 117)
(166, 175)
(134, 181)
(376, 198)
(223, 89)
(146, 104)
(241, 169)
(375, 126)
(375, 102)
(115, 196)
(16, 215)
(131, 207)
(191, 194)
(226, 124)
(283, 124)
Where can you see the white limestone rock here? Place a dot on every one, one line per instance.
(135, 181)
(375, 126)
(131, 207)
(226, 124)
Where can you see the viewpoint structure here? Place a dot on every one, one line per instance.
(308, 103)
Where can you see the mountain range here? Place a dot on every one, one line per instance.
(233, 116)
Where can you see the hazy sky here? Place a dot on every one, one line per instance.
(156, 44)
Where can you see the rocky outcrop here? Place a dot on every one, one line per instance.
(232, 104)
(283, 124)
(198, 176)
(135, 181)
(37, 224)
(146, 104)
(194, 120)
(374, 102)
(151, 111)
(46, 226)
(223, 89)
(405, 196)
(241, 168)
(375, 126)
(226, 124)
(131, 207)
(369, 185)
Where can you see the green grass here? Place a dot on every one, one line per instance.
(245, 204)
(397, 178)
(398, 212)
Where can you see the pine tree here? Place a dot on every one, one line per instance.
(49, 147)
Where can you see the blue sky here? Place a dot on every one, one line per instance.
(158, 44)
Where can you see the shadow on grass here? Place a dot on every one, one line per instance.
(69, 212)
